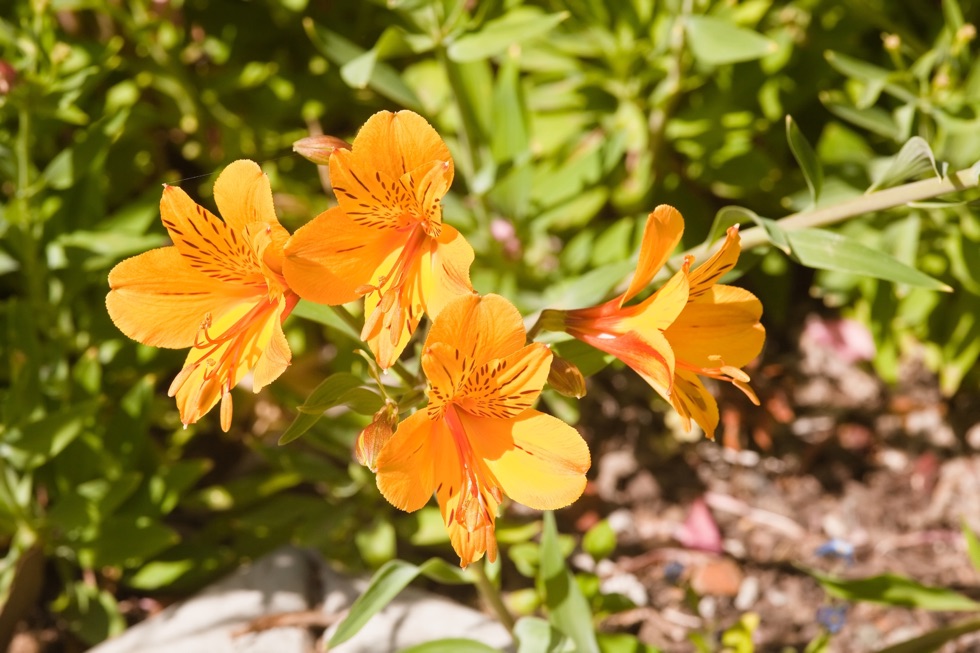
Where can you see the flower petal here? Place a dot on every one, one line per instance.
(396, 143)
(722, 324)
(692, 400)
(331, 257)
(539, 460)
(480, 328)
(506, 387)
(648, 353)
(243, 195)
(659, 310)
(156, 298)
(709, 272)
(407, 464)
(274, 359)
(663, 231)
(444, 271)
(208, 244)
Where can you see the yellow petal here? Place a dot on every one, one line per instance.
(506, 387)
(274, 359)
(692, 400)
(539, 460)
(207, 243)
(480, 328)
(444, 271)
(659, 310)
(406, 465)
(709, 272)
(396, 143)
(156, 298)
(331, 257)
(722, 324)
(663, 232)
(243, 195)
(231, 347)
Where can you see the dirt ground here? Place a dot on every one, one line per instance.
(832, 457)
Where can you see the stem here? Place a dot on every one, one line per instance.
(878, 201)
(491, 595)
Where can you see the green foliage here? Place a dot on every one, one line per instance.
(569, 121)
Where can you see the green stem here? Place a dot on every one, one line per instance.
(491, 595)
(878, 201)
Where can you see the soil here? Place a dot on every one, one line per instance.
(709, 531)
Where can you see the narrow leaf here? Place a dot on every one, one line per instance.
(715, 41)
(826, 250)
(451, 645)
(568, 611)
(301, 424)
(517, 26)
(806, 157)
(387, 582)
(889, 589)
(914, 159)
(330, 392)
(535, 635)
(932, 640)
(327, 316)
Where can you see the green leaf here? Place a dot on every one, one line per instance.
(31, 445)
(383, 78)
(342, 389)
(715, 41)
(451, 645)
(516, 26)
(385, 585)
(953, 15)
(914, 159)
(327, 316)
(873, 119)
(972, 545)
(932, 640)
(806, 157)
(159, 574)
(536, 635)
(889, 589)
(599, 541)
(302, 423)
(826, 250)
(568, 611)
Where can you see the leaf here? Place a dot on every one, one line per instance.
(327, 316)
(873, 119)
(536, 635)
(587, 289)
(826, 250)
(451, 645)
(932, 640)
(32, 445)
(383, 78)
(890, 589)
(342, 389)
(302, 423)
(385, 585)
(516, 26)
(972, 545)
(715, 41)
(159, 574)
(568, 611)
(806, 157)
(914, 159)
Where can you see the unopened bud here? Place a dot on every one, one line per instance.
(552, 320)
(375, 435)
(319, 148)
(566, 378)
(893, 42)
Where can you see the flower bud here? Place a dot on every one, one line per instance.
(566, 378)
(319, 148)
(375, 435)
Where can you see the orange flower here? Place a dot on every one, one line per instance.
(386, 241)
(219, 290)
(479, 438)
(690, 327)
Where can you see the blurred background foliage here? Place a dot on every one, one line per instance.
(569, 121)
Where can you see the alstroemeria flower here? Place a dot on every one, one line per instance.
(218, 290)
(479, 438)
(386, 240)
(690, 327)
